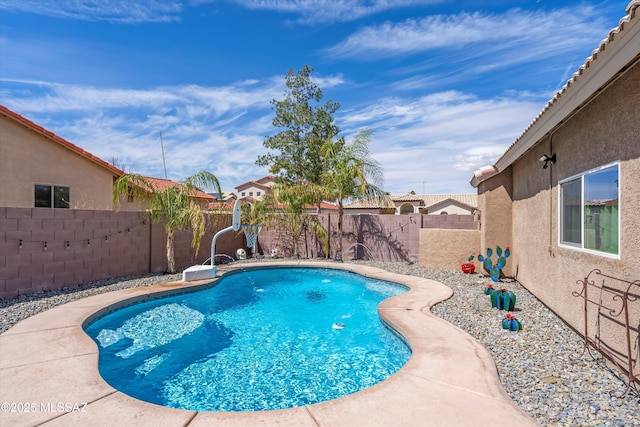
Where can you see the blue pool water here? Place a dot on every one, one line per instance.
(257, 340)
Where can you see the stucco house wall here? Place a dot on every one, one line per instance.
(250, 189)
(450, 207)
(605, 131)
(495, 213)
(591, 123)
(28, 157)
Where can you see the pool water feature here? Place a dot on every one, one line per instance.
(259, 339)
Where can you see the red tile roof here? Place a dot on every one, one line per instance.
(161, 184)
(59, 140)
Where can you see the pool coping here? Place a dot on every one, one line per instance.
(49, 370)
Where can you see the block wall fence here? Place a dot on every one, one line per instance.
(393, 238)
(44, 249)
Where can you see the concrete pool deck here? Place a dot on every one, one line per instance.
(49, 371)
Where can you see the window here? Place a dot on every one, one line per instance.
(250, 193)
(51, 196)
(589, 215)
(243, 194)
(258, 193)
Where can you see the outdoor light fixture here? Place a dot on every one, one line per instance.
(546, 159)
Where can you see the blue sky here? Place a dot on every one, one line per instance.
(446, 86)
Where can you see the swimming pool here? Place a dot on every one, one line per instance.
(257, 340)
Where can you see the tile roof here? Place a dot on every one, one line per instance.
(467, 199)
(407, 198)
(426, 200)
(328, 206)
(59, 140)
(249, 184)
(382, 202)
(269, 179)
(265, 183)
(222, 206)
(161, 184)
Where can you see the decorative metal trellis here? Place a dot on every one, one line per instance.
(615, 301)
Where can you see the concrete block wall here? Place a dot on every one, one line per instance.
(42, 249)
(450, 222)
(369, 236)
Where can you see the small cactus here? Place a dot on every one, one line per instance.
(511, 323)
(502, 299)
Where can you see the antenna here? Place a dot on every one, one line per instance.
(164, 162)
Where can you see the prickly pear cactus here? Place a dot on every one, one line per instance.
(495, 269)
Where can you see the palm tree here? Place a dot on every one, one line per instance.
(288, 202)
(173, 204)
(350, 173)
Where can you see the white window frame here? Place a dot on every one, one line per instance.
(580, 247)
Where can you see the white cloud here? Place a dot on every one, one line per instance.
(439, 138)
(40, 97)
(120, 11)
(542, 33)
(320, 11)
(129, 12)
(202, 127)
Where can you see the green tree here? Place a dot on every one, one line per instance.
(173, 204)
(304, 125)
(350, 173)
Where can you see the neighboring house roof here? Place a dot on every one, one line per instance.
(264, 183)
(225, 206)
(161, 184)
(269, 179)
(614, 56)
(310, 207)
(324, 205)
(225, 196)
(382, 202)
(249, 199)
(448, 203)
(250, 184)
(470, 200)
(59, 140)
(425, 200)
(407, 198)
